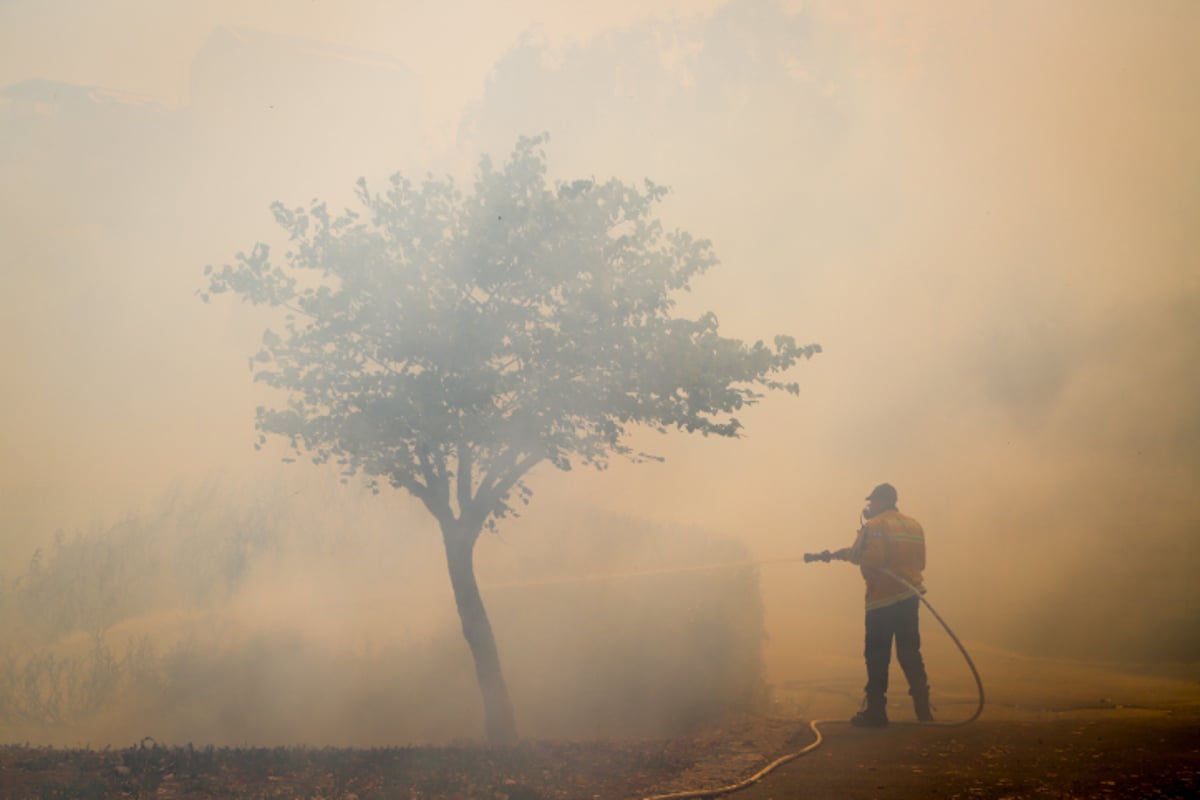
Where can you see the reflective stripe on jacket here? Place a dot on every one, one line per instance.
(894, 542)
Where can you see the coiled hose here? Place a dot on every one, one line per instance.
(816, 724)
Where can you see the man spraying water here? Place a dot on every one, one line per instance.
(890, 550)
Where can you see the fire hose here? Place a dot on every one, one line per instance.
(815, 725)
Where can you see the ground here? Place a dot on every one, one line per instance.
(1123, 755)
(1051, 729)
(1143, 757)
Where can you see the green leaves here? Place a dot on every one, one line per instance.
(449, 343)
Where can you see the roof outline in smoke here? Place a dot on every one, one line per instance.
(33, 91)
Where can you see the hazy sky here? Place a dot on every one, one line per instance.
(985, 212)
(146, 47)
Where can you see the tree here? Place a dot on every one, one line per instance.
(448, 344)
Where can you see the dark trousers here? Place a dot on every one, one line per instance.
(897, 621)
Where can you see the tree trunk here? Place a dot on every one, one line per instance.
(499, 723)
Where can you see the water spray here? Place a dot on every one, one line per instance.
(645, 573)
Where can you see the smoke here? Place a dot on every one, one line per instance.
(982, 212)
(229, 617)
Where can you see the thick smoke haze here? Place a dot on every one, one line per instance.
(984, 212)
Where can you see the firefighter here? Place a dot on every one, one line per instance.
(889, 541)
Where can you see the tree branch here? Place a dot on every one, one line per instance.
(437, 485)
(465, 476)
(499, 483)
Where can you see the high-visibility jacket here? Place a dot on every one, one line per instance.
(894, 542)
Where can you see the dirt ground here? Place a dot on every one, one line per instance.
(1114, 757)
(1139, 756)
(1123, 755)
(1050, 730)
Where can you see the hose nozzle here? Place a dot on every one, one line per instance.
(824, 555)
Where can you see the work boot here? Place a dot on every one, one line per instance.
(873, 715)
(921, 704)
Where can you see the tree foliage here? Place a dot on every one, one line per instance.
(448, 343)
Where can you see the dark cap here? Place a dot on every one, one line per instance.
(885, 493)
